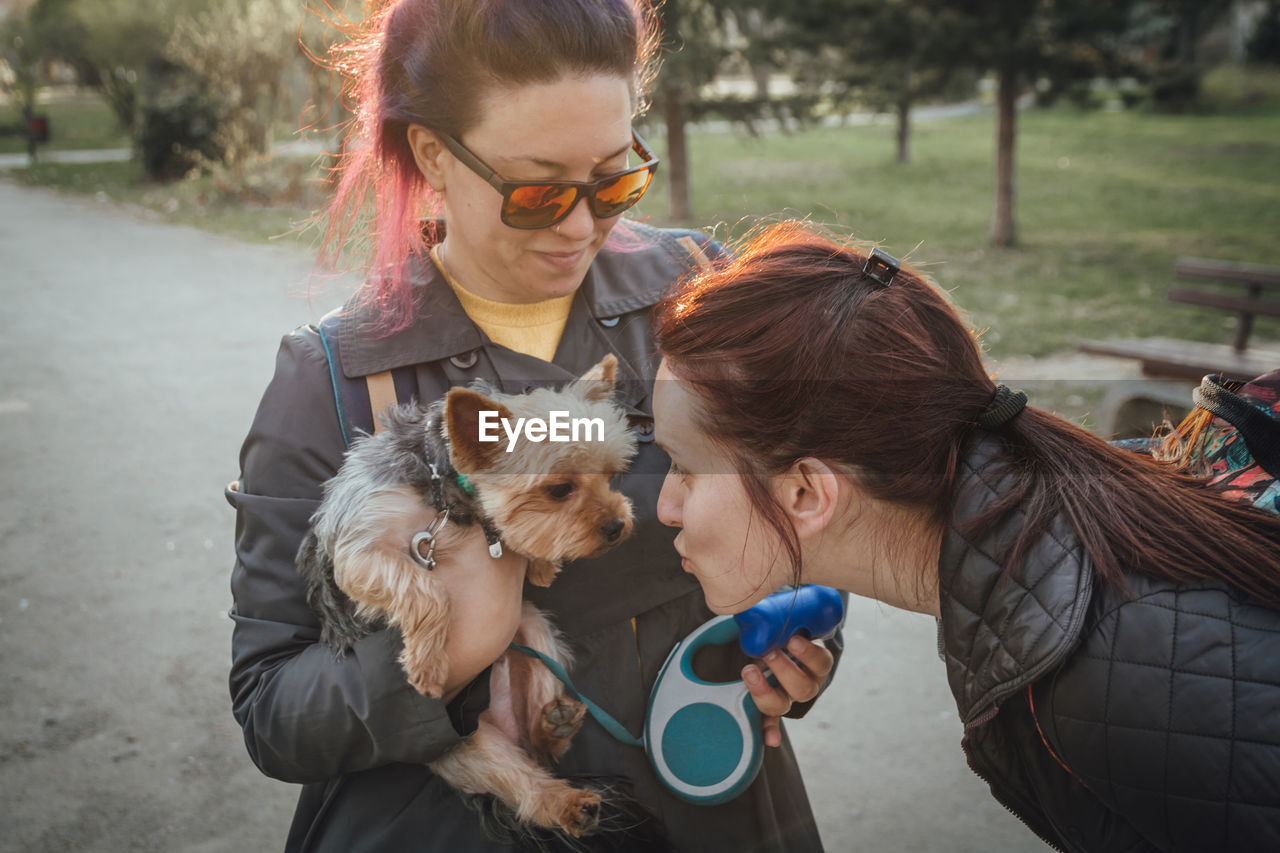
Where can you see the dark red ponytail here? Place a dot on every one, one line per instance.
(796, 352)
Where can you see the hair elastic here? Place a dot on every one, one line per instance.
(881, 267)
(1004, 407)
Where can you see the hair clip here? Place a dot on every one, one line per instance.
(881, 267)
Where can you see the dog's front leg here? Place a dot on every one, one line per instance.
(372, 565)
(413, 601)
(546, 718)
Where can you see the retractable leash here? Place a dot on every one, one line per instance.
(704, 739)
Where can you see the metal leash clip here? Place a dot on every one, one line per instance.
(423, 546)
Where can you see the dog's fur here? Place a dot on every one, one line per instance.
(550, 502)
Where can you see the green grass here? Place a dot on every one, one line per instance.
(1106, 201)
(190, 202)
(77, 122)
(118, 181)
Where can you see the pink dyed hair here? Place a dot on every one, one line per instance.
(427, 62)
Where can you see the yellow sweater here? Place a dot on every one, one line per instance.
(533, 329)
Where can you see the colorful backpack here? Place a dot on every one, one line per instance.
(1233, 438)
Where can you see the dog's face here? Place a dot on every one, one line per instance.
(542, 464)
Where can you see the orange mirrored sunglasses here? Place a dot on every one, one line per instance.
(541, 204)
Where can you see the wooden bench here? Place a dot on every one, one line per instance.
(1257, 294)
(1246, 290)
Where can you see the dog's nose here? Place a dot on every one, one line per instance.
(613, 530)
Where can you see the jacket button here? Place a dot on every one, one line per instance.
(465, 361)
(609, 322)
(644, 431)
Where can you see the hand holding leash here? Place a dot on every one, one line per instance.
(787, 620)
(800, 673)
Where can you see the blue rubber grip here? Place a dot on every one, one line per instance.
(814, 610)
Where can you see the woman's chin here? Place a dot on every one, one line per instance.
(721, 610)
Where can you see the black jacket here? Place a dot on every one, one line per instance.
(1159, 710)
(351, 729)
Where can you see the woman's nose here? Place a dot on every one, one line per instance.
(669, 504)
(580, 224)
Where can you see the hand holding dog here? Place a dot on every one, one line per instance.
(801, 671)
(485, 600)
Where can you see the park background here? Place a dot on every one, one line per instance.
(1046, 163)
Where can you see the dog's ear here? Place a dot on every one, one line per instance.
(597, 383)
(462, 421)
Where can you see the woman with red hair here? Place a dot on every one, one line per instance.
(491, 158)
(1109, 626)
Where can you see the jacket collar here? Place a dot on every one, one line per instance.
(999, 633)
(631, 272)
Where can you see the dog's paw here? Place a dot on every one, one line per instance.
(562, 717)
(555, 727)
(581, 813)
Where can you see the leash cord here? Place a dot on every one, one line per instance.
(601, 716)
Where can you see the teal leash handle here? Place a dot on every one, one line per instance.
(601, 716)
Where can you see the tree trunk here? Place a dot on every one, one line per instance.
(677, 159)
(1002, 227)
(904, 130)
(1188, 33)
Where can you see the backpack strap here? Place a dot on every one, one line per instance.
(695, 251)
(1260, 431)
(358, 398)
(382, 395)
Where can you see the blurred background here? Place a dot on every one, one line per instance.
(161, 161)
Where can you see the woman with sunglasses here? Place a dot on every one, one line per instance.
(1110, 627)
(493, 148)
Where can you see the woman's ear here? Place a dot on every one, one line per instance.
(810, 493)
(426, 150)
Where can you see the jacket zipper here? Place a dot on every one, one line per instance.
(981, 720)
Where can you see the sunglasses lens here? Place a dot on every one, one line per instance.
(537, 206)
(613, 197)
(541, 205)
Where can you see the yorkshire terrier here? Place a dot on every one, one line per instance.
(369, 555)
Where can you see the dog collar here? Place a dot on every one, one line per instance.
(465, 484)
(490, 535)
(468, 488)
